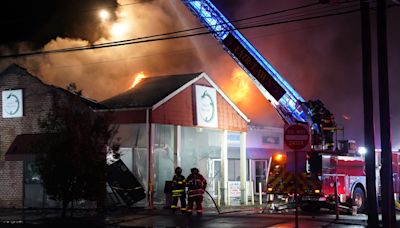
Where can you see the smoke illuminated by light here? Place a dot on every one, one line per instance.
(104, 15)
(118, 29)
(241, 85)
(138, 78)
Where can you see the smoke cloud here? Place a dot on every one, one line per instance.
(106, 72)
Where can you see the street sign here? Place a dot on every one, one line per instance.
(297, 137)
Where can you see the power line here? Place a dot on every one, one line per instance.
(146, 40)
(185, 30)
(198, 28)
(305, 13)
(159, 38)
(177, 51)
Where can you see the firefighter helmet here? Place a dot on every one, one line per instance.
(194, 170)
(178, 170)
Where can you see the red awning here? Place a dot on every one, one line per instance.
(21, 148)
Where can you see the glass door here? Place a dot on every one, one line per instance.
(259, 171)
(214, 175)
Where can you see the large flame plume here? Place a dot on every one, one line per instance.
(241, 85)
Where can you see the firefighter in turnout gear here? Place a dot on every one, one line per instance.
(178, 190)
(196, 187)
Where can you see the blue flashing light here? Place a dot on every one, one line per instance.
(289, 104)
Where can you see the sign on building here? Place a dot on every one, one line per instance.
(12, 103)
(206, 106)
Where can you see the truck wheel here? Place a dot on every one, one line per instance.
(359, 199)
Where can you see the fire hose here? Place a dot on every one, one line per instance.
(216, 206)
(235, 211)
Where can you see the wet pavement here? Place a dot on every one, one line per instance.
(139, 217)
(239, 219)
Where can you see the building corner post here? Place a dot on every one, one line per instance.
(224, 167)
(243, 169)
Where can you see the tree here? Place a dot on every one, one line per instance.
(71, 156)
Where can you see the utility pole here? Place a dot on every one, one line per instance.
(388, 211)
(369, 137)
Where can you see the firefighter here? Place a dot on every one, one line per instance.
(196, 187)
(178, 190)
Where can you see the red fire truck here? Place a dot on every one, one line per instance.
(326, 163)
(320, 170)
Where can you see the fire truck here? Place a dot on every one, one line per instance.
(328, 162)
(325, 174)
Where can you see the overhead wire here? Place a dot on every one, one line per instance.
(309, 12)
(160, 37)
(171, 52)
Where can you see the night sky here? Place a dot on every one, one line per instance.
(321, 58)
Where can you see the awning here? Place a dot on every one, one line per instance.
(21, 148)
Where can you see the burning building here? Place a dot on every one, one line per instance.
(163, 122)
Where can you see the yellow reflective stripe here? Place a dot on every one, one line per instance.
(180, 182)
(173, 206)
(183, 209)
(178, 190)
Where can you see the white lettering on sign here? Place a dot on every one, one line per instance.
(296, 137)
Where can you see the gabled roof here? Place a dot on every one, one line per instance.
(152, 92)
(149, 91)
(16, 69)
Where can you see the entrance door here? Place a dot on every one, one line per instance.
(33, 188)
(259, 174)
(214, 175)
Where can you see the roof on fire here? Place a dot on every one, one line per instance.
(151, 92)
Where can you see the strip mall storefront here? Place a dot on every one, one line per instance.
(181, 120)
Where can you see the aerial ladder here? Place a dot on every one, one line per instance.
(288, 103)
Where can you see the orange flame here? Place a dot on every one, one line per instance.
(241, 85)
(138, 78)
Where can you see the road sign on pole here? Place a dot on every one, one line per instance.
(297, 137)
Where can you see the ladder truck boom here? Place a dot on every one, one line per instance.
(289, 104)
(272, 85)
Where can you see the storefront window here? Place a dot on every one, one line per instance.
(234, 170)
(163, 159)
(201, 148)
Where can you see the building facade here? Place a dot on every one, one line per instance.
(25, 100)
(178, 120)
(163, 122)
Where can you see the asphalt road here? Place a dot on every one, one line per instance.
(140, 217)
(240, 220)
